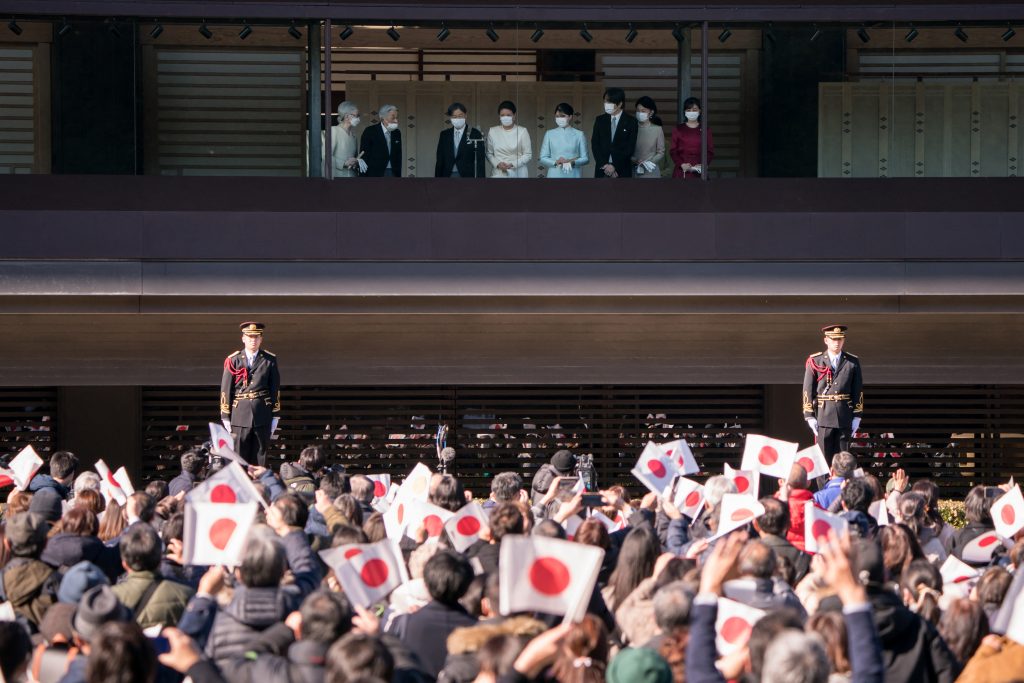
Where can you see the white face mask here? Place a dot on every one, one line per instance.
(506, 121)
(562, 121)
(692, 115)
(609, 108)
(459, 123)
(354, 121)
(642, 116)
(392, 126)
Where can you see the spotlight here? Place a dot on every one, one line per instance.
(769, 34)
(677, 33)
(724, 35)
(112, 28)
(632, 34)
(393, 34)
(863, 34)
(1008, 34)
(346, 33)
(492, 34)
(443, 34)
(13, 26)
(65, 28)
(245, 32)
(961, 34)
(538, 33)
(157, 29)
(585, 34)
(816, 34)
(294, 32)
(911, 35)
(205, 31)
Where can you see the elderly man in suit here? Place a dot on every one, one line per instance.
(381, 145)
(614, 137)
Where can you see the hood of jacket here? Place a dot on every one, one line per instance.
(471, 638)
(68, 549)
(23, 578)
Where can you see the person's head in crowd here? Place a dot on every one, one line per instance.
(856, 495)
(583, 653)
(55, 628)
(991, 588)
(640, 550)
(869, 565)
(775, 520)
(334, 483)
(447, 576)
(638, 665)
(491, 600)
(472, 601)
(215, 465)
(757, 561)
(765, 631)
(796, 657)
(829, 625)
(692, 110)
(357, 656)
(506, 519)
(362, 488)
(288, 510)
(899, 548)
(168, 507)
(193, 460)
(962, 626)
(930, 491)
(563, 114)
(843, 465)
(784, 570)
(91, 500)
(157, 490)
(17, 501)
(114, 521)
(120, 653)
(326, 616)
(26, 534)
(1016, 556)
(614, 101)
(672, 603)
(15, 650)
(497, 656)
(647, 111)
(346, 534)
(448, 493)
(797, 477)
(875, 486)
(921, 587)
(86, 481)
(549, 528)
(98, 606)
(978, 505)
(79, 579)
(527, 512)
(593, 532)
(78, 521)
(263, 562)
(912, 512)
(716, 488)
(141, 548)
(610, 510)
(373, 527)
(506, 487)
(677, 569)
(312, 459)
(47, 503)
(350, 509)
(173, 528)
(507, 114)
(564, 462)
(143, 505)
(63, 466)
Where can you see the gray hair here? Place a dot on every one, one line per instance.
(716, 488)
(346, 108)
(362, 488)
(506, 486)
(386, 109)
(263, 559)
(672, 605)
(87, 480)
(796, 657)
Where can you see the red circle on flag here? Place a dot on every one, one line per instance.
(735, 630)
(374, 573)
(433, 525)
(378, 489)
(401, 512)
(549, 575)
(742, 483)
(741, 514)
(220, 532)
(222, 493)
(1007, 514)
(656, 468)
(807, 464)
(960, 579)
(692, 498)
(986, 541)
(468, 526)
(222, 443)
(352, 552)
(110, 478)
(820, 529)
(768, 455)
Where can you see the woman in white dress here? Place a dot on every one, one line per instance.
(509, 149)
(345, 142)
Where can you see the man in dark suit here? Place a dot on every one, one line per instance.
(614, 137)
(833, 393)
(250, 395)
(381, 145)
(457, 155)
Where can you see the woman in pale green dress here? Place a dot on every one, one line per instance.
(564, 148)
(650, 140)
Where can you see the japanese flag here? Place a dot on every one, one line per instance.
(1008, 513)
(229, 485)
(738, 510)
(223, 444)
(817, 524)
(464, 526)
(417, 484)
(733, 625)
(957, 571)
(547, 575)
(980, 550)
(689, 497)
(609, 523)
(680, 453)
(768, 456)
(413, 514)
(654, 469)
(747, 481)
(215, 532)
(22, 468)
(381, 485)
(571, 526)
(812, 460)
(368, 572)
(110, 487)
(880, 512)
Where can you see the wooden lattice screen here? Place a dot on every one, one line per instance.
(28, 416)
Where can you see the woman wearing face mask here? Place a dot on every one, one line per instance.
(344, 144)
(650, 140)
(564, 148)
(685, 149)
(457, 154)
(509, 149)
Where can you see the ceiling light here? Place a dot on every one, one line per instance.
(112, 28)
(538, 33)
(205, 31)
(677, 33)
(585, 34)
(65, 28)
(1008, 34)
(156, 31)
(443, 34)
(816, 34)
(245, 32)
(912, 35)
(492, 34)
(863, 34)
(294, 32)
(14, 28)
(346, 33)
(961, 34)
(393, 34)
(724, 35)
(632, 34)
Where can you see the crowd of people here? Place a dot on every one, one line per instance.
(98, 591)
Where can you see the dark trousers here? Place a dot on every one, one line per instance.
(831, 440)
(252, 443)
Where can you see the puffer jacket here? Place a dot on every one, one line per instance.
(251, 611)
(464, 644)
(67, 550)
(31, 586)
(165, 605)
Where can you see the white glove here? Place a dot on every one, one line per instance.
(856, 424)
(362, 165)
(697, 169)
(813, 424)
(649, 165)
(639, 169)
(567, 167)
(227, 424)
(273, 424)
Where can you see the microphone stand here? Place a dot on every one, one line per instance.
(476, 151)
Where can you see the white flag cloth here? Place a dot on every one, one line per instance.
(223, 444)
(381, 485)
(23, 467)
(464, 526)
(417, 484)
(738, 510)
(747, 481)
(229, 485)
(812, 460)
(681, 455)
(609, 523)
(654, 469)
(547, 575)
(768, 456)
(122, 478)
(1008, 513)
(733, 625)
(880, 512)
(215, 532)
(367, 572)
(817, 524)
(415, 513)
(571, 526)
(109, 486)
(689, 497)
(980, 549)
(957, 571)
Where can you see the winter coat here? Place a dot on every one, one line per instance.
(989, 665)
(31, 586)
(797, 499)
(425, 632)
(67, 550)
(251, 611)
(184, 482)
(800, 560)
(462, 664)
(166, 604)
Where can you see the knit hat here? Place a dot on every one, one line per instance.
(563, 461)
(78, 579)
(26, 533)
(47, 502)
(99, 605)
(56, 624)
(638, 665)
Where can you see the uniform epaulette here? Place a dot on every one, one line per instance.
(851, 356)
(269, 353)
(234, 354)
(815, 355)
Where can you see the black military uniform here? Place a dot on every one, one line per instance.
(834, 396)
(250, 398)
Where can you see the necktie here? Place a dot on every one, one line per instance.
(458, 139)
(387, 136)
(615, 121)
(835, 362)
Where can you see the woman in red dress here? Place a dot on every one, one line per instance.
(685, 149)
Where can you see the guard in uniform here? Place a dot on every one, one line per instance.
(250, 395)
(833, 393)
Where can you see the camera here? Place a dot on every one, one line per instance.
(586, 472)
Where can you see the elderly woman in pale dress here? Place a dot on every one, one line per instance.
(509, 149)
(345, 142)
